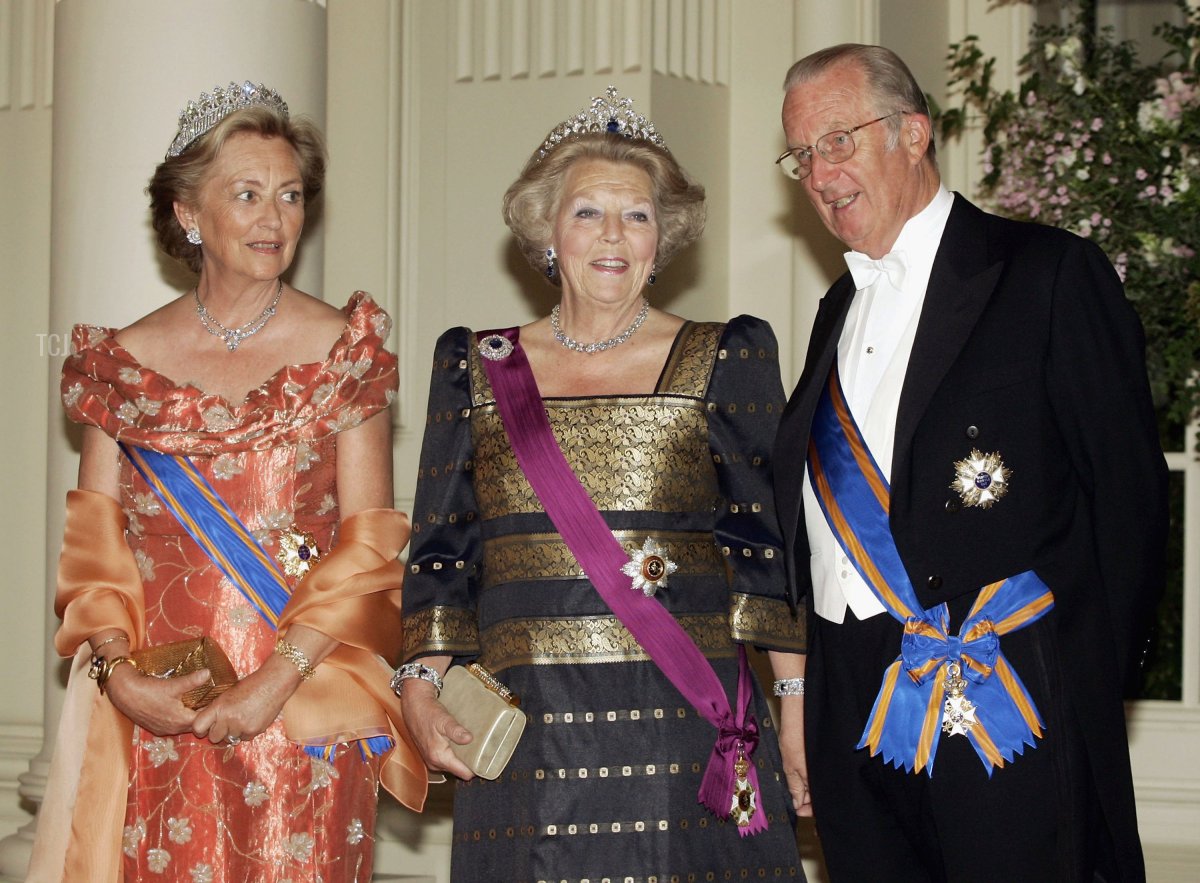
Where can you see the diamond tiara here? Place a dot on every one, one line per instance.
(605, 114)
(202, 114)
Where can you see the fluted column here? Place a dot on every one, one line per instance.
(122, 69)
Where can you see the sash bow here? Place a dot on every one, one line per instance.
(732, 741)
(926, 645)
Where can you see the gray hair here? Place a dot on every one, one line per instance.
(892, 85)
(533, 199)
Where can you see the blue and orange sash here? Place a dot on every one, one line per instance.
(230, 545)
(905, 722)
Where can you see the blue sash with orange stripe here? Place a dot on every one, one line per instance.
(230, 545)
(216, 529)
(905, 722)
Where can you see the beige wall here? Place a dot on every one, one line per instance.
(433, 105)
(25, 358)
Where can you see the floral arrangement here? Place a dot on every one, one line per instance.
(1098, 142)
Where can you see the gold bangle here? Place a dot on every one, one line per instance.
(296, 657)
(107, 667)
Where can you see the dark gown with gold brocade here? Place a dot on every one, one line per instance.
(604, 782)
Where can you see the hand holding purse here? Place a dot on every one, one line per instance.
(184, 657)
(489, 710)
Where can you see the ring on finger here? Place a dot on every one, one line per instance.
(233, 740)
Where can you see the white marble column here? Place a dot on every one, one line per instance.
(122, 69)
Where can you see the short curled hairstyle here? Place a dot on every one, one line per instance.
(532, 202)
(893, 86)
(181, 178)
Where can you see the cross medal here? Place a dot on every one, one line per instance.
(745, 803)
(958, 712)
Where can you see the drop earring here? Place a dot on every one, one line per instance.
(653, 277)
(551, 262)
(193, 236)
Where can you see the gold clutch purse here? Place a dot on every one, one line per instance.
(184, 657)
(489, 710)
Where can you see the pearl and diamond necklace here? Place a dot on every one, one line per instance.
(234, 336)
(600, 345)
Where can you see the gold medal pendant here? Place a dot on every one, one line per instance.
(298, 552)
(958, 712)
(745, 800)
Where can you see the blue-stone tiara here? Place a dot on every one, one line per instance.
(205, 112)
(606, 113)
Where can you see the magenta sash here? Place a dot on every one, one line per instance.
(601, 557)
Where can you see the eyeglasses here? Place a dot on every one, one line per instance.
(834, 147)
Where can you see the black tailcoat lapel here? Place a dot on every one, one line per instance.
(963, 278)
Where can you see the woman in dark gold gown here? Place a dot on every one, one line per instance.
(668, 425)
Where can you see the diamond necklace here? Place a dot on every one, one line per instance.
(600, 345)
(234, 336)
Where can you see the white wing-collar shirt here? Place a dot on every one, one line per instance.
(873, 354)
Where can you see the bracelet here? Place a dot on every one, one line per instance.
(789, 687)
(416, 670)
(95, 650)
(296, 657)
(101, 669)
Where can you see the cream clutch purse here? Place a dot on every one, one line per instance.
(489, 710)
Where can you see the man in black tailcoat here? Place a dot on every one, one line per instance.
(996, 372)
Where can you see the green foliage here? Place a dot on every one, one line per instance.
(1099, 142)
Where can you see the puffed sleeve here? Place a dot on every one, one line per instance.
(745, 400)
(439, 590)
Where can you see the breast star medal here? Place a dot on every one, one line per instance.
(745, 801)
(649, 567)
(958, 712)
(981, 479)
(298, 552)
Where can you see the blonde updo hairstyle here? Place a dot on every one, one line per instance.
(181, 178)
(531, 203)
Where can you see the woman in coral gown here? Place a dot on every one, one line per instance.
(279, 404)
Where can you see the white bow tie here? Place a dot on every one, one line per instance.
(866, 271)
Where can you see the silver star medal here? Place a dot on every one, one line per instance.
(981, 479)
(649, 567)
(958, 712)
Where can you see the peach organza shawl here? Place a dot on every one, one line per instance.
(352, 596)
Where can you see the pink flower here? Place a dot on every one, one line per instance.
(1141, 174)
